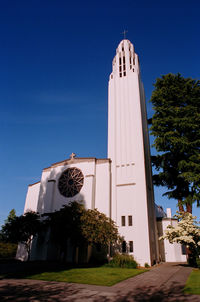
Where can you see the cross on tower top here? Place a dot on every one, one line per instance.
(72, 155)
(124, 33)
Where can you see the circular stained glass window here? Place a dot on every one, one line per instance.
(70, 182)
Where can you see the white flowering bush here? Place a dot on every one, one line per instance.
(186, 232)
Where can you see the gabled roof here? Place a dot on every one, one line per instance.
(76, 160)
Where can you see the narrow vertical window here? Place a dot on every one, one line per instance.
(123, 246)
(120, 67)
(123, 221)
(131, 246)
(130, 220)
(123, 59)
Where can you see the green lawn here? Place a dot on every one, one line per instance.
(99, 275)
(193, 283)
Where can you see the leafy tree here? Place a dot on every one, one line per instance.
(65, 225)
(176, 128)
(11, 216)
(186, 232)
(22, 229)
(97, 228)
(82, 227)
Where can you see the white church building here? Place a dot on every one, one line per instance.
(119, 186)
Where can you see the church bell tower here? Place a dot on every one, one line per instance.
(132, 198)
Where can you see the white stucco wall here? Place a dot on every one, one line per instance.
(50, 197)
(32, 197)
(173, 252)
(45, 197)
(138, 233)
(103, 188)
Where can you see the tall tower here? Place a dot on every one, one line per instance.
(132, 201)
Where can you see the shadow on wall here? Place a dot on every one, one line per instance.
(42, 247)
(48, 202)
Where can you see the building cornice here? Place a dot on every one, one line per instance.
(35, 183)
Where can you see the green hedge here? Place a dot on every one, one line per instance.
(198, 262)
(7, 250)
(123, 260)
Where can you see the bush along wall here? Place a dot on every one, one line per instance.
(124, 261)
(7, 250)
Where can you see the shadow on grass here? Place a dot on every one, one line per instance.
(16, 270)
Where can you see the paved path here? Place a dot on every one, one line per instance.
(162, 283)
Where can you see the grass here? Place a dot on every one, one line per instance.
(97, 275)
(193, 283)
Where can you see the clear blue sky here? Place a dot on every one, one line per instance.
(55, 60)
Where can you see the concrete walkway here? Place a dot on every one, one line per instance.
(162, 283)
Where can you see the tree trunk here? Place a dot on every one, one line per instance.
(180, 206)
(62, 254)
(190, 257)
(28, 251)
(189, 208)
(76, 254)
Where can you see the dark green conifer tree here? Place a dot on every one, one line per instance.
(175, 126)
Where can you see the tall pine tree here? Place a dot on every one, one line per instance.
(175, 126)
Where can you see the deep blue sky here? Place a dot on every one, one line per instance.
(55, 60)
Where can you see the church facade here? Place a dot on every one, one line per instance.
(120, 186)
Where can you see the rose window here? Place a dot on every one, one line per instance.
(70, 182)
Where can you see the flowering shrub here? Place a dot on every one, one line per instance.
(186, 232)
